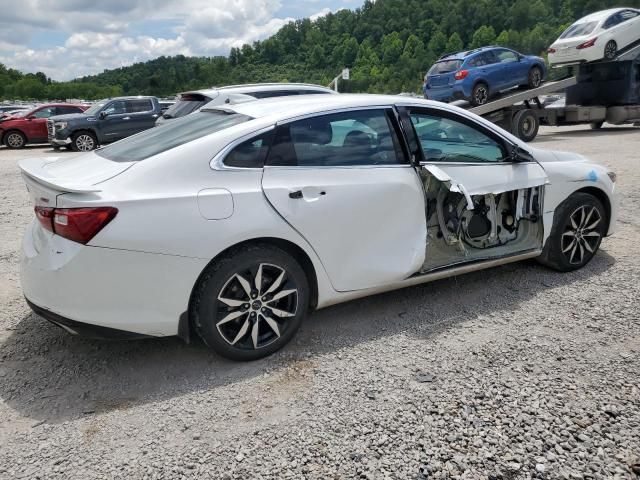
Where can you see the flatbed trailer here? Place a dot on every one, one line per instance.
(522, 112)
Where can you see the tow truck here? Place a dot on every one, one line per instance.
(603, 91)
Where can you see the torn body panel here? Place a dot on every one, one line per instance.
(466, 227)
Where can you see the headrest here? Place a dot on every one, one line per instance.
(313, 130)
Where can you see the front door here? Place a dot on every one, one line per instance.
(117, 122)
(36, 124)
(344, 183)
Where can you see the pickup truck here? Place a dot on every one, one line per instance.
(105, 121)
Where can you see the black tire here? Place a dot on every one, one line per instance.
(525, 125)
(558, 252)
(596, 125)
(234, 339)
(535, 77)
(480, 94)
(83, 141)
(610, 50)
(15, 139)
(56, 148)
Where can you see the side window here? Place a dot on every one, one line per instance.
(446, 140)
(117, 107)
(273, 93)
(365, 137)
(628, 15)
(45, 112)
(612, 21)
(506, 56)
(138, 106)
(250, 153)
(67, 110)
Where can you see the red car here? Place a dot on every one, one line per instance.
(30, 126)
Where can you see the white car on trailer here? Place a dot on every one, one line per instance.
(234, 222)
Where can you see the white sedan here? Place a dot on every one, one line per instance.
(233, 223)
(601, 35)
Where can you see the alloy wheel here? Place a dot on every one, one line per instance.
(582, 234)
(15, 140)
(481, 95)
(254, 306)
(536, 78)
(85, 143)
(610, 49)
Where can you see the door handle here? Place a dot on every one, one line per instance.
(296, 194)
(127, 118)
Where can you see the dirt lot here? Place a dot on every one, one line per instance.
(515, 372)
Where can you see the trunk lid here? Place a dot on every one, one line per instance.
(47, 178)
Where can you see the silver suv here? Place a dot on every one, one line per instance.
(189, 102)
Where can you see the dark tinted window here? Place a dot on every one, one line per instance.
(365, 137)
(445, 66)
(485, 58)
(67, 110)
(137, 106)
(170, 135)
(251, 153)
(273, 93)
(116, 108)
(187, 104)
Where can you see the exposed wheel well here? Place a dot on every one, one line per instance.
(604, 199)
(291, 248)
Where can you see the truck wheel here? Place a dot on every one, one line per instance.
(480, 94)
(83, 142)
(525, 125)
(596, 125)
(535, 77)
(610, 50)
(15, 139)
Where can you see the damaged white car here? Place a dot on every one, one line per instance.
(233, 223)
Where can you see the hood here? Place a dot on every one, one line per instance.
(68, 117)
(549, 156)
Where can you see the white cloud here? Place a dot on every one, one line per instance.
(108, 34)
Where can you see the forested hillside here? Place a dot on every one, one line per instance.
(388, 45)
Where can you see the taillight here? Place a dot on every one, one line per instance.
(75, 224)
(45, 217)
(587, 44)
(461, 74)
(551, 50)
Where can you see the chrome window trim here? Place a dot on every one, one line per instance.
(341, 167)
(217, 162)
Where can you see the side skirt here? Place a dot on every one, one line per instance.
(431, 276)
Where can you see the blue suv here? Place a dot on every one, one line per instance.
(477, 75)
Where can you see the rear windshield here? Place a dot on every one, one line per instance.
(170, 135)
(445, 66)
(579, 29)
(188, 103)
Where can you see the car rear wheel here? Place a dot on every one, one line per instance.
(83, 142)
(251, 303)
(480, 94)
(578, 227)
(596, 125)
(525, 125)
(610, 50)
(15, 139)
(535, 77)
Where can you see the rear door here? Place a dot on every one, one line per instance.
(344, 183)
(490, 69)
(142, 115)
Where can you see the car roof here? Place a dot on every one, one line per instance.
(281, 108)
(466, 53)
(601, 15)
(260, 87)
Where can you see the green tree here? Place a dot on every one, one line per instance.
(483, 36)
(454, 44)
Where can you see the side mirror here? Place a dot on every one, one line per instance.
(517, 154)
(30, 117)
(103, 115)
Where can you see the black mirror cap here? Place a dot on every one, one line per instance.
(518, 154)
(103, 115)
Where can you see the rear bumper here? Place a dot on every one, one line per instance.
(447, 94)
(83, 329)
(143, 294)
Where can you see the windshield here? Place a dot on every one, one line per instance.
(96, 107)
(445, 66)
(187, 104)
(579, 29)
(20, 113)
(170, 135)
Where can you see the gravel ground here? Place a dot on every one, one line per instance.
(513, 373)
